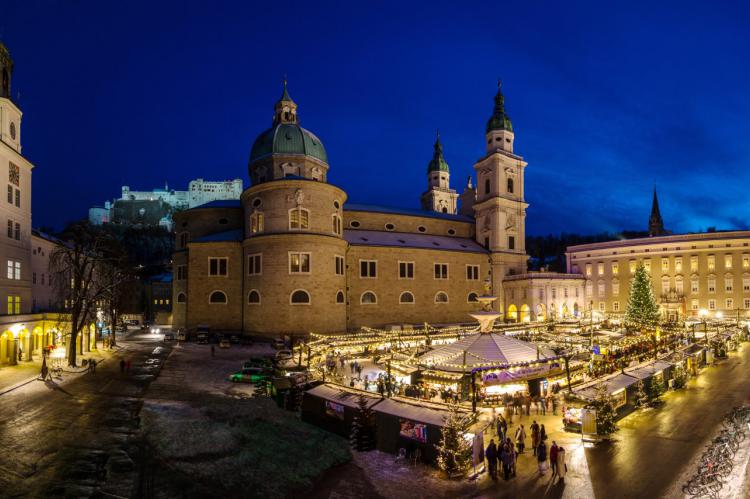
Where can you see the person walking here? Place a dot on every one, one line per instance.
(213, 350)
(506, 458)
(553, 458)
(528, 405)
(541, 457)
(542, 434)
(554, 405)
(520, 438)
(562, 468)
(127, 366)
(122, 366)
(534, 436)
(491, 454)
(502, 428)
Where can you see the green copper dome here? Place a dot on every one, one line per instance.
(437, 163)
(499, 120)
(288, 138)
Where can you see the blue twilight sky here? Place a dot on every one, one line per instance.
(605, 100)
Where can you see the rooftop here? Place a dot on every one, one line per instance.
(409, 240)
(674, 238)
(413, 212)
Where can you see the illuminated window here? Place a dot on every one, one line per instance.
(255, 264)
(678, 264)
(711, 263)
(712, 285)
(218, 267)
(728, 284)
(600, 268)
(368, 269)
(729, 304)
(600, 288)
(647, 265)
(665, 264)
(615, 287)
(664, 284)
(602, 306)
(745, 262)
(257, 222)
(14, 305)
(588, 270)
(727, 261)
(694, 286)
(693, 264)
(616, 306)
(14, 270)
(589, 288)
(615, 268)
(746, 284)
(678, 287)
(747, 302)
(632, 264)
(299, 219)
(299, 263)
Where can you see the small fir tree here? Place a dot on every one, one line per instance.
(640, 398)
(642, 311)
(454, 451)
(362, 436)
(606, 414)
(680, 378)
(655, 391)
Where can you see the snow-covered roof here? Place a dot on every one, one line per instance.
(412, 412)
(613, 383)
(406, 211)
(342, 396)
(484, 349)
(648, 369)
(407, 240)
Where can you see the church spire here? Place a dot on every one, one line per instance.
(437, 163)
(285, 110)
(499, 119)
(655, 222)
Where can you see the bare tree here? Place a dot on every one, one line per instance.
(85, 276)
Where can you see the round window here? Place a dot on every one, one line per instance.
(336, 205)
(257, 202)
(451, 232)
(422, 228)
(12, 130)
(354, 224)
(389, 226)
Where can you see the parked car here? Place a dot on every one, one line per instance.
(224, 343)
(282, 355)
(202, 338)
(279, 343)
(263, 362)
(168, 336)
(250, 375)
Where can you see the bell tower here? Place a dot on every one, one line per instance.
(439, 196)
(500, 207)
(285, 109)
(10, 114)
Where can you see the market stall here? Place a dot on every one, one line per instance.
(333, 408)
(616, 385)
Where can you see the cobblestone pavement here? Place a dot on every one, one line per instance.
(76, 436)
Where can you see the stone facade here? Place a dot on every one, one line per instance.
(292, 257)
(689, 272)
(541, 296)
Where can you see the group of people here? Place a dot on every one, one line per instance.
(125, 366)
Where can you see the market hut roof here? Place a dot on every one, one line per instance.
(484, 349)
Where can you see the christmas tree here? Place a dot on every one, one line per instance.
(605, 411)
(362, 437)
(679, 378)
(640, 397)
(655, 391)
(643, 311)
(454, 451)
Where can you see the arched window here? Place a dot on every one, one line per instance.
(441, 297)
(340, 297)
(445, 210)
(472, 297)
(487, 186)
(510, 185)
(181, 298)
(253, 298)
(217, 297)
(300, 297)
(299, 218)
(257, 222)
(337, 225)
(368, 298)
(406, 297)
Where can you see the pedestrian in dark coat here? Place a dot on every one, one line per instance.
(534, 436)
(553, 458)
(502, 428)
(506, 458)
(542, 434)
(541, 457)
(122, 366)
(491, 455)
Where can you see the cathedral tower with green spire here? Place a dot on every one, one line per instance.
(439, 196)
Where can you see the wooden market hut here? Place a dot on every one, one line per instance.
(333, 407)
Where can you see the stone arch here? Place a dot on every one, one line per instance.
(525, 313)
(512, 313)
(541, 312)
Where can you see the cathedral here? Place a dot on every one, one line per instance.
(293, 256)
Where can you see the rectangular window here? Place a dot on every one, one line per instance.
(181, 272)
(588, 270)
(406, 270)
(255, 264)
(665, 264)
(441, 271)
(511, 242)
(554, 293)
(10, 229)
(729, 304)
(14, 270)
(693, 264)
(600, 268)
(472, 272)
(299, 218)
(218, 266)
(18, 198)
(746, 284)
(10, 194)
(368, 269)
(712, 304)
(745, 262)
(711, 263)
(299, 263)
(14, 305)
(602, 306)
(694, 287)
(632, 264)
(712, 285)
(615, 288)
(565, 292)
(728, 284)
(337, 225)
(678, 286)
(615, 268)
(616, 306)
(339, 264)
(694, 305)
(18, 232)
(747, 302)
(600, 288)
(678, 264)
(727, 261)
(647, 264)
(257, 223)
(589, 288)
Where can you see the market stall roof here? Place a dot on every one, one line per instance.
(343, 396)
(484, 349)
(692, 349)
(612, 383)
(647, 369)
(413, 412)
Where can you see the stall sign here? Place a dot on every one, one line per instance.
(334, 410)
(413, 430)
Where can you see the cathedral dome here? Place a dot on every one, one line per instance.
(288, 138)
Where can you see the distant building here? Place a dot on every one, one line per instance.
(157, 206)
(42, 292)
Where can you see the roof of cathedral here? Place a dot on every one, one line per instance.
(410, 240)
(220, 203)
(437, 163)
(288, 138)
(228, 235)
(406, 211)
(499, 120)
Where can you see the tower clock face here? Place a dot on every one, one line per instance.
(12, 130)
